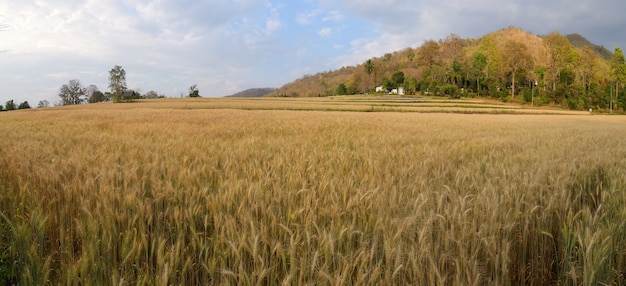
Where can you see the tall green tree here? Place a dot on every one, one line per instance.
(477, 70)
(341, 89)
(618, 69)
(397, 79)
(559, 51)
(410, 85)
(72, 93)
(516, 60)
(117, 82)
(488, 47)
(370, 68)
(387, 84)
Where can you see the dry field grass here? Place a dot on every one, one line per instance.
(215, 192)
(420, 104)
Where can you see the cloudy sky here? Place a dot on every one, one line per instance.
(227, 46)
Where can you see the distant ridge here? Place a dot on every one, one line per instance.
(253, 92)
(579, 41)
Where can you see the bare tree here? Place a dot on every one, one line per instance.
(151, 94)
(43, 104)
(72, 92)
(516, 60)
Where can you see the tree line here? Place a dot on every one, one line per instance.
(510, 64)
(10, 105)
(74, 92)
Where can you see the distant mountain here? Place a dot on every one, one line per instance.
(579, 41)
(253, 92)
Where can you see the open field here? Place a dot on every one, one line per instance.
(421, 104)
(293, 192)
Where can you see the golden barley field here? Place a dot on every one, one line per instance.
(223, 192)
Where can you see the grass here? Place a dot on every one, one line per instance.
(417, 104)
(203, 192)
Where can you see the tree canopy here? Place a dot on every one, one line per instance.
(24, 105)
(516, 61)
(72, 93)
(193, 91)
(117, 82)
(10, 105)
(502, 64)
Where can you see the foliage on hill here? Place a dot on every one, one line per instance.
(253, 92)
(579, 41)
(509, 64)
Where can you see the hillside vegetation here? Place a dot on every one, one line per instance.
(579, 41)
(220, 192)
(509, 64)
(253, 92)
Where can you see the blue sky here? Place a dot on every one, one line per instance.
(228, 46)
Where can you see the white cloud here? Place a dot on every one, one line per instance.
(325, 32)
(334, 16)
(272, 25)
(167, 45)
(400, 23)
(362, 49)
(317, 16)
(163, 45)
(307, 18)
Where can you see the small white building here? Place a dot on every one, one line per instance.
(379, 88)
(399, 91)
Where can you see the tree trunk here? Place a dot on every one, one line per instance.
(375, 83)
(513, 86)
(616, 95)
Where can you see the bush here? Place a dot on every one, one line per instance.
(10, 105)
(193, 91)
(449, 90)
(341, 89)
(575, 97)
(24, 105)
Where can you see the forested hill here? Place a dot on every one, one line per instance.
(568, 70)
(579, 41)
(253, 92)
